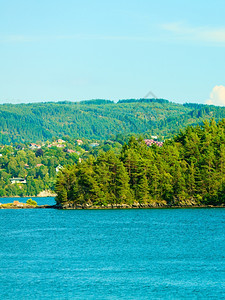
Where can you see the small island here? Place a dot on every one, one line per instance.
(20, 205)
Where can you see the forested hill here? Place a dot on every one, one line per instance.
(99, 119)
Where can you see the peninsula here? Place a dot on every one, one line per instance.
(188, 170)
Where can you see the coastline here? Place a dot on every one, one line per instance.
(98, 207)
(123, 207)
(40, 195)
(25, 206)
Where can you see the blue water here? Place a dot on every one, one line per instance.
(112, 254)
(39, 200)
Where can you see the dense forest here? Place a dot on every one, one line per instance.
(100, 119)
(189, 169)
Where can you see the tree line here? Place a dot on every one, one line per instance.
(188, 170)
(99, 119)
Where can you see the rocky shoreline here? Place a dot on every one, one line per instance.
(133, 206)
(24, 206)
(69, 206)
(46, 193)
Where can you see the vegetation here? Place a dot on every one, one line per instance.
(27, 171)
(99, 119)
(31, 202)
(16, 204)
(188, 170)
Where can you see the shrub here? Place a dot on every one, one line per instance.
(31, 202)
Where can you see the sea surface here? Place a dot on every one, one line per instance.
(39, 200)
(112, 254)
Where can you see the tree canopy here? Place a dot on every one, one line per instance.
(188, 170)
(100, 119)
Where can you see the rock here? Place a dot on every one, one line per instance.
(46, 193)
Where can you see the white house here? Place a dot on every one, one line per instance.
(58, 168)
(17, 180)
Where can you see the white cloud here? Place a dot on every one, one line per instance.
(217, 96)
(199, 34)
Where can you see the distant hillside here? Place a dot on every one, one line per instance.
(99, 119)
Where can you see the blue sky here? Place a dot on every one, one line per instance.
(75, 50)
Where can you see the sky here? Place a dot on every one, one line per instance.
(53, 50)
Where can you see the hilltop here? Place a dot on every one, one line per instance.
(100, 119)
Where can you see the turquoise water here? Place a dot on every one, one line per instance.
(39, 200)
(112, 254)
